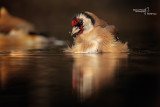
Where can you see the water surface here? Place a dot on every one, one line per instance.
(50, 78)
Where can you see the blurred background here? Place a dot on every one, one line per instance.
(54, 17)
(37, 77)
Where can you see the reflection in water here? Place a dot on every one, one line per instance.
(37, 78)
(16, 68)
(11, 64)
(40, 90)
(92, 71)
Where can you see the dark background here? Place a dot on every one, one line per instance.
(54, 17)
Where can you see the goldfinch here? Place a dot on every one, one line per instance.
(94, 35)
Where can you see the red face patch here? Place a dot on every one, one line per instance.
(79, 23)
(74, 23)
(81, 31)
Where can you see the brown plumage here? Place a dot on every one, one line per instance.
(14, 33)
(9, 22)
(94, 35)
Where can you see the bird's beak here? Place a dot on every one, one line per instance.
(75, 30)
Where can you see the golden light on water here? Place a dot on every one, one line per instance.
(92, 71)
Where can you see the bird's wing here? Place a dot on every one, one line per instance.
(98, 21)
(102, 23)
(112, 29)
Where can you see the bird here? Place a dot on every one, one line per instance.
(18, 39)
(17, 33)
(9, 22)
(94, 35)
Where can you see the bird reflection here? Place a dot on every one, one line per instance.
(92, 71)
(11, 65)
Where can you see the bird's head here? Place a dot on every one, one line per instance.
(82, 23)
